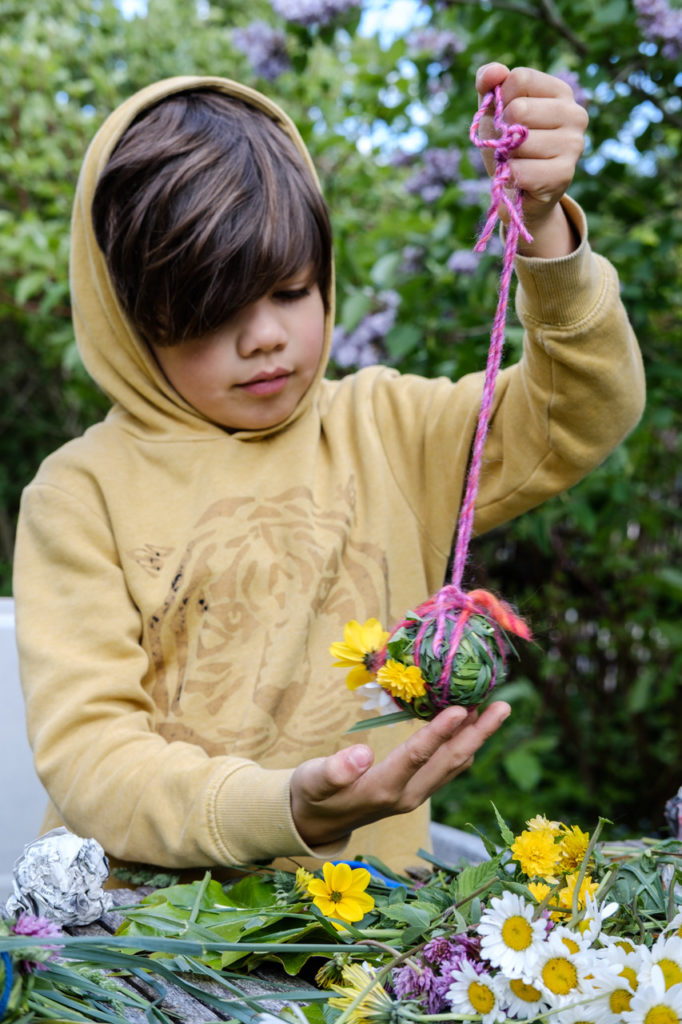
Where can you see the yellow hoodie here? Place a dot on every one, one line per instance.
(178, 587)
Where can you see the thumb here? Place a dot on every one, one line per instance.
(338, 771)
(490, 75)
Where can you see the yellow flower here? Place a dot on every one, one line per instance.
(303, 877)
(359, 649)
(341, 894)
(542, 824)
(537, 853)
(376, 1007)
(403, 681)
(566, 894)
(539, 890)
(572, 848)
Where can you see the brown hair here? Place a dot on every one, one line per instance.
(205, 205)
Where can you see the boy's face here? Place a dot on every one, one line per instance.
(252, 372)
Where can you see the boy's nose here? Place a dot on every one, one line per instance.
(260, 329)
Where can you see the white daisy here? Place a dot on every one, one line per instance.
(377, 698)
(475, 994)
(583, 1012)
(573, 939)
(613, 977)
(510, 938)
(562, 975)
(654, 1004)
(520, 999)
(666, 953)
(675, 926)
(589, 926)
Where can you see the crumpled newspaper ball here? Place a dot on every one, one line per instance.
(60, 876)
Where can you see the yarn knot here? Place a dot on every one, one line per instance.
(509, 138)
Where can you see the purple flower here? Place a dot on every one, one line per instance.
(30, 924)
(429, 981)
(440, 167)
(658, 22)
(421, 984)
(265, 48)
(312, 12)
(474, 191)
(443, 45)
(580, 95)
(412, 259)
(463, 261)
(363, 345)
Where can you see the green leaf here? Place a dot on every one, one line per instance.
(384, 271)
(523, 768)
(505, 832)
(474, 878)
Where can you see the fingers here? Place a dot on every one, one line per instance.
(437, 753)
(331, 796)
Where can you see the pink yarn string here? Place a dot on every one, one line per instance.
(451, 597)
(452, 605)
(509, 137)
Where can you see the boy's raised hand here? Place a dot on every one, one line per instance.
(331, 796)
(544, 165)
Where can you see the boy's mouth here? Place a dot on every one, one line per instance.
(268, 382)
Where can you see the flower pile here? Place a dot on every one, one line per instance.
(429, 663)
(553, 927)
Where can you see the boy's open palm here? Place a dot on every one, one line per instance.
(331, 796)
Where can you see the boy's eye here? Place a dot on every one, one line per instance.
(291, 294)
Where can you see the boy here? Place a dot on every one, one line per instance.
(183, 567)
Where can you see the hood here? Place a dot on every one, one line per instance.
(114, 354)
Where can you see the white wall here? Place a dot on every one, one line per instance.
(22, 798)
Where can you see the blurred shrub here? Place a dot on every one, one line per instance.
(597, 572)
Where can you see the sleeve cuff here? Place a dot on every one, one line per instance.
(562, 291)
(253, 820)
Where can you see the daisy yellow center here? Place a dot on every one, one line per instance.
(619, 1001)
(630, 976)
(559, 975)
(671, 972)
(661, 1014)
(626, 945)
(570, 944)
(517, 933)
(480, 997)
(521, 990)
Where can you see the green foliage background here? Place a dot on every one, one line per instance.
(597, 723)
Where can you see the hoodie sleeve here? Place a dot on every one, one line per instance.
(577, 391)
(90, 717)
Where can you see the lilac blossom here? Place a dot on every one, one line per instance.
(441, 44)
(412, 259)
(403, 158)
(463, 261)
(440, 167)
(658, 22)
(312, 12)
(363, 345)
(265, 48)
(474, 191)
(580, 95)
